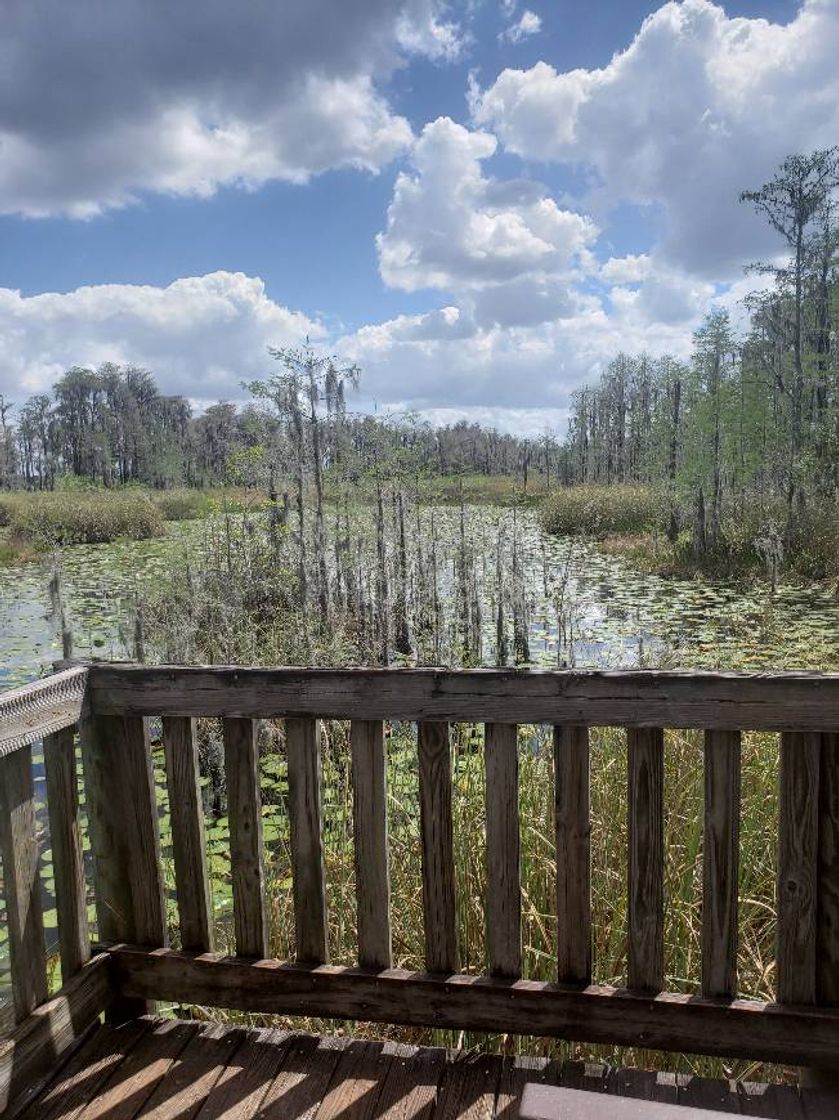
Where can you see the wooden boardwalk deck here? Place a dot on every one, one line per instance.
(175, 1070)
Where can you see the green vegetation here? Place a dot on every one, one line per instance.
(46, 519)
(596, 511)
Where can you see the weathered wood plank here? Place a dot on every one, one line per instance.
(87, 1070)
(123, 823)
(21, 881)
(438, 888)
(372, 873)
(141, 830)
(194, 1074)
(410, 1088)
(667, 1021)
(468, 1087)
(239, 1091)
(503, 903)
(640, 698)
(40, 708)
(357, 1082)
(573, 855)
(106, 826)
(52, 1029)
(67, 855)
(189, 845)
(646, 859)
(720, 863)
(145, 1066)
(303, 743)
(247, 857)
(827, 934)
(303, 1080)
(798, 852)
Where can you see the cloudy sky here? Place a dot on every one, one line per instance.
(478, 201)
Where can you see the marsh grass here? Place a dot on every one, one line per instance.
(56, 518)
(683, 872)
(595, 511)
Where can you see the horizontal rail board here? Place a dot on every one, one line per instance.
(739, 1028)
(40, 708)
(32, 1051)
(644, 698)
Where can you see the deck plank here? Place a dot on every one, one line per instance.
(193, 1075)
(469, 1087)
(243, 1084)
(136, 1078)
(151, 1069)
(81, 1078)
(301, 1084)
(410, 1088)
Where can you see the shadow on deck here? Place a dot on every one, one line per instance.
(163, 1069)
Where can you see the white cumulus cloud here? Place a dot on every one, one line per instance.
(200, 336)
(449, 225)
(102, 101)
(529, 24)
(696, 108)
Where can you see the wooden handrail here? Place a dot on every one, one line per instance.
(620, 698)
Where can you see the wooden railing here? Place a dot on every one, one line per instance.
(114, 704)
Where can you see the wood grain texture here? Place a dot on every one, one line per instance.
(40, 708)
(667, 1021)
(239, 1092)
(372, 872)
(720, 863)
(438, 887)
(798, 849)
(21, 882)
(247, 856)
(827, 933)
(638, 698)
(503, 903)
(106, 826)
(67, 854)
(189, 844)
(52, 1029)
(135, 1080)
(193, 1076)
(573, 855)
(646, 859)
(140, 827)
(304, 805)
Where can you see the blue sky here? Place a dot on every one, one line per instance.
(478, 202)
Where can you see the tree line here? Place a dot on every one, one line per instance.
(112, 425)
(756, 417)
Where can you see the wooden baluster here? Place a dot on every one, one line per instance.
(827, 939)
(19, 849)
(67, 854)
(798, 835)
(797, 867)
(438, 888)
(304, 789)
(123, 822)
(720, 863)
(247, 857)
(372, 873)
(503, 907)
(646, 858)
(573, 855)
(189, 845)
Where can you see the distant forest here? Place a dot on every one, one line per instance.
(752, 415)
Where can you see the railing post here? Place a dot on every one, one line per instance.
(124, 836)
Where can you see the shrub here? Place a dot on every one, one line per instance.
(8, 504)
(59, 518)
(598, 510)
(181, 505)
